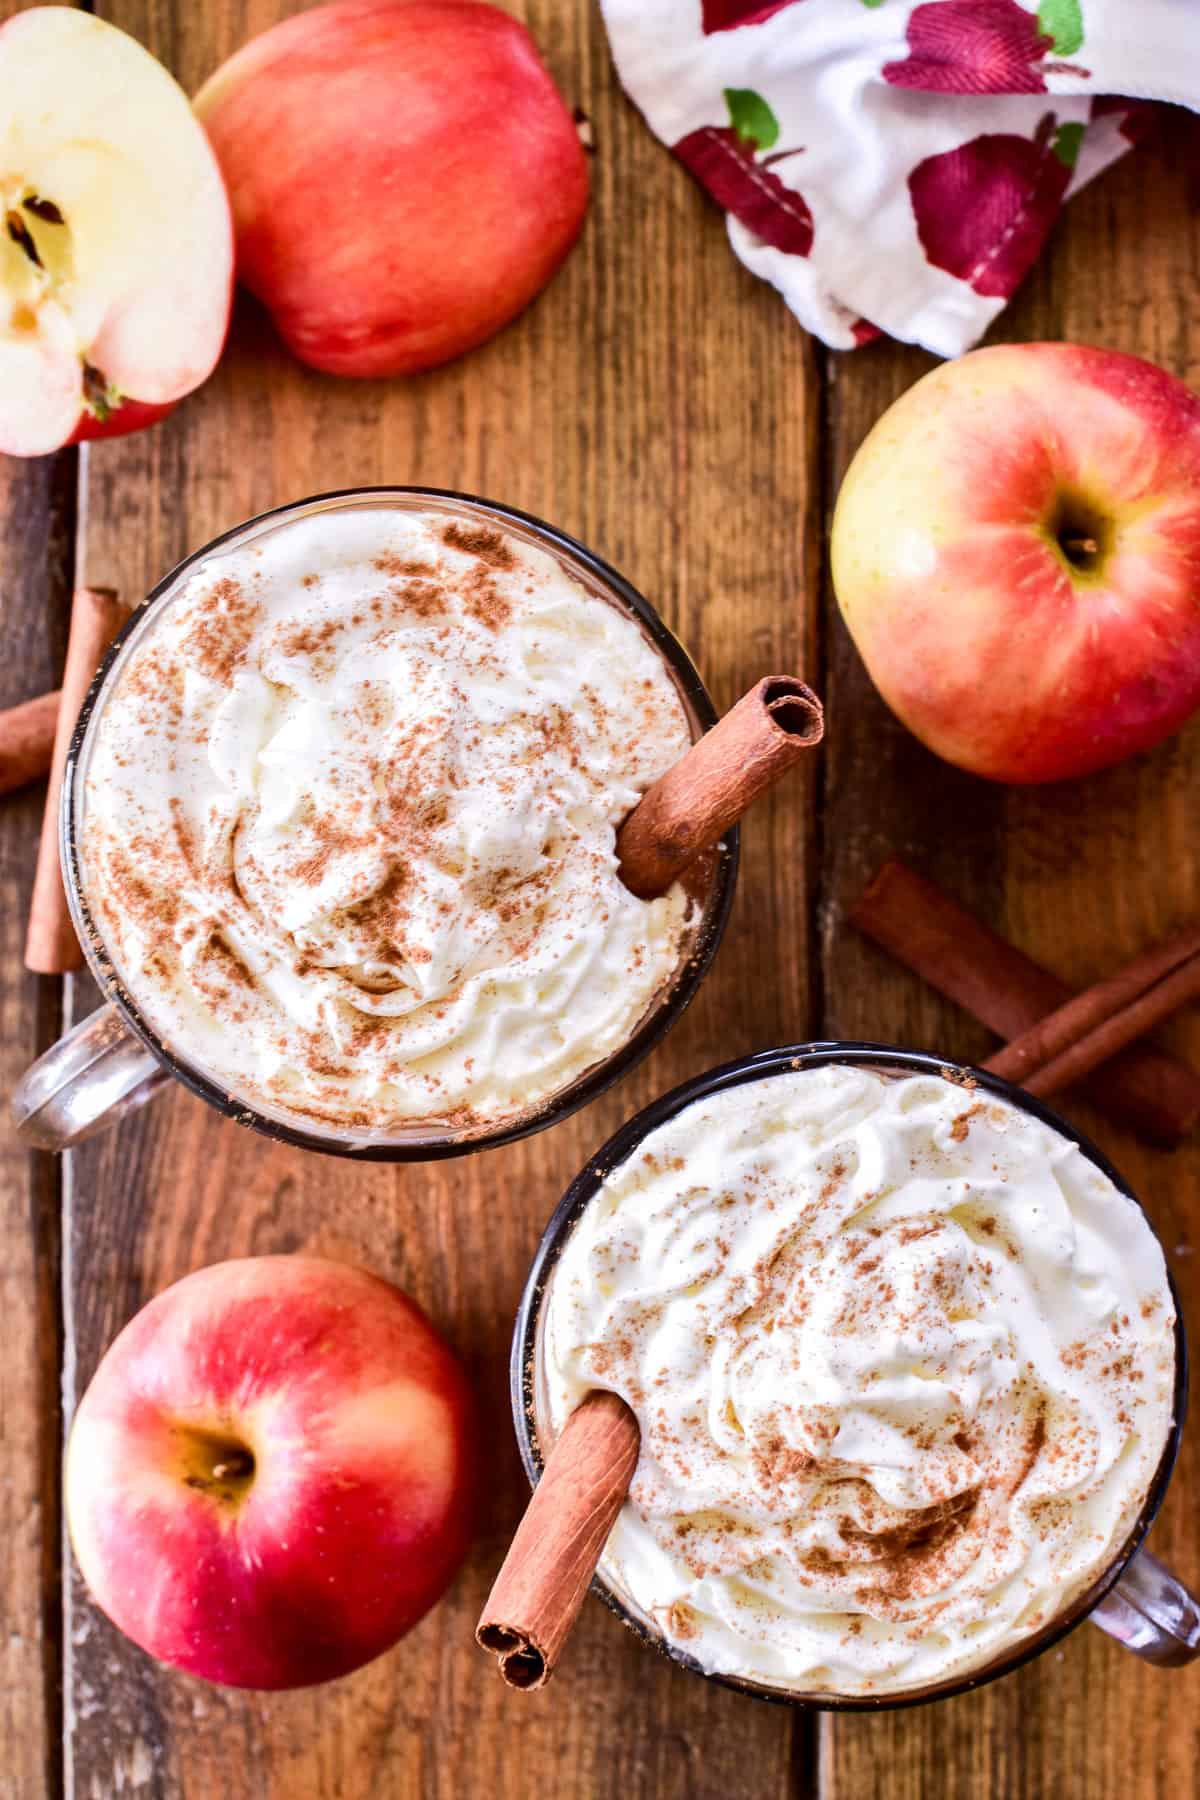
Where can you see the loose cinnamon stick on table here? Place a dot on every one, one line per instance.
(930, 933)
(51, 947)
(1068, 1024)
(1064, 1047)
(690, 807)
(27, 740)
(541, 1585)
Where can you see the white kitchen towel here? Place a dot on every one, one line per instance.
(897, 167)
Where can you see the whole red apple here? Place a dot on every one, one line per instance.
(404, 178)
(268, 1480)
(1016, 552)
(116, 253)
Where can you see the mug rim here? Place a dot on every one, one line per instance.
(663, 1015)
(760, 1065)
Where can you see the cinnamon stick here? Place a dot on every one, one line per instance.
(1089, 1029)
(1096, 1008)
(540, 1588)
(930, 933)
(51, 947)
(689, 808)
(27, 740)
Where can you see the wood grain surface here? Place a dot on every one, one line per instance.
(657, 402)
(651, 376)
(1082, 875)
(36, 500)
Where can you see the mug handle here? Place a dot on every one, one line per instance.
(1151, 1612)
(92, 1077)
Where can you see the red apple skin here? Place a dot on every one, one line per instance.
(358, 1510)
(978, 631)
(404, 177)
(129, 415)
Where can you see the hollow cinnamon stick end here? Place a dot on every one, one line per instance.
(521, 1662)
(537, 1595)
(692, 806)
(794, 709)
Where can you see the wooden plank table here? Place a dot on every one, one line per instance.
(658, 403)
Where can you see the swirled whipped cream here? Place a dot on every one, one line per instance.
(903, 1360)
(350, 821)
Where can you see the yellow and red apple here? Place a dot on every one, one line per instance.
(1016, 553)
(269, 1478)
(116, 254)
(404, 178)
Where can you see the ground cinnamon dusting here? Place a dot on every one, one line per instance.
(898, 1299)
(220, 635)
(480, 541)
(360, 855)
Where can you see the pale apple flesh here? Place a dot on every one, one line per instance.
(404, 178)
(1016, 552)
(116, 250)
(269, 1479)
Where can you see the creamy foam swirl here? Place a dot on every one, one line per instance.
(903, 1360)
(350, 822)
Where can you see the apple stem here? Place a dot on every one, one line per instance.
(1080, 546)
(778, 156)
(234, 1467)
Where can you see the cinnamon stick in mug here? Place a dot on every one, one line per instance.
(540, 1588)
(51, 947)
(688, 809)
(27, 740)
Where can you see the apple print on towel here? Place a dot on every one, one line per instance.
(1137, 120)
(987, 46)
(984, 209)
(725, 159)
(727, 15)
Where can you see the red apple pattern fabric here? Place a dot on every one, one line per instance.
(733, 163)
(985, 46)
(894, 167)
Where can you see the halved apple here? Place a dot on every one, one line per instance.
(116, 253)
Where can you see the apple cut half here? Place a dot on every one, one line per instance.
(116, 257)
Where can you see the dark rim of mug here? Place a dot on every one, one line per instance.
(654, 1026)
(621, 1146)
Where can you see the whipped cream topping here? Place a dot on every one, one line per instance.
(350, 821)
(903, 1360)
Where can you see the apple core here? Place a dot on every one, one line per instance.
(1083, 533)
(216, 1463)
(35, 253)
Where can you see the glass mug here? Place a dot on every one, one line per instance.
(1135, 1600)
(114, 1060)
